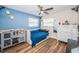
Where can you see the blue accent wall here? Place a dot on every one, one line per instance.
(20, 20)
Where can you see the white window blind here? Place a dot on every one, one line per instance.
(33, 22)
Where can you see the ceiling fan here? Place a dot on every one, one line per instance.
(42, 10)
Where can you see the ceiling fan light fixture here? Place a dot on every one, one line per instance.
(41, 11)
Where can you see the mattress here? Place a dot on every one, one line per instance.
(37, 36)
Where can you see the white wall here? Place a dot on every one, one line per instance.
(69, 15)
(78, 15)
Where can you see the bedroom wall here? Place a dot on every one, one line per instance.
(61, 16)
(69, 15)
(78, 16)
(20, 20)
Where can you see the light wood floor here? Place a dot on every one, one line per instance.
(48, 46)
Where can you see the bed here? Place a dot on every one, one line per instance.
(37, 36)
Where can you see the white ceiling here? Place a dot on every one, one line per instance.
(33, 9)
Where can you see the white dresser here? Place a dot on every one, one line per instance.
(11, 37)
(66, 32)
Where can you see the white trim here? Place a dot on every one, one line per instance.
(29, 37)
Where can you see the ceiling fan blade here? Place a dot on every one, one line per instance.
(48, 9)
(40, 7)
(46, 12)
(39, 13)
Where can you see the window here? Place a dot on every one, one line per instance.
(33, 22)
(48, 22)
